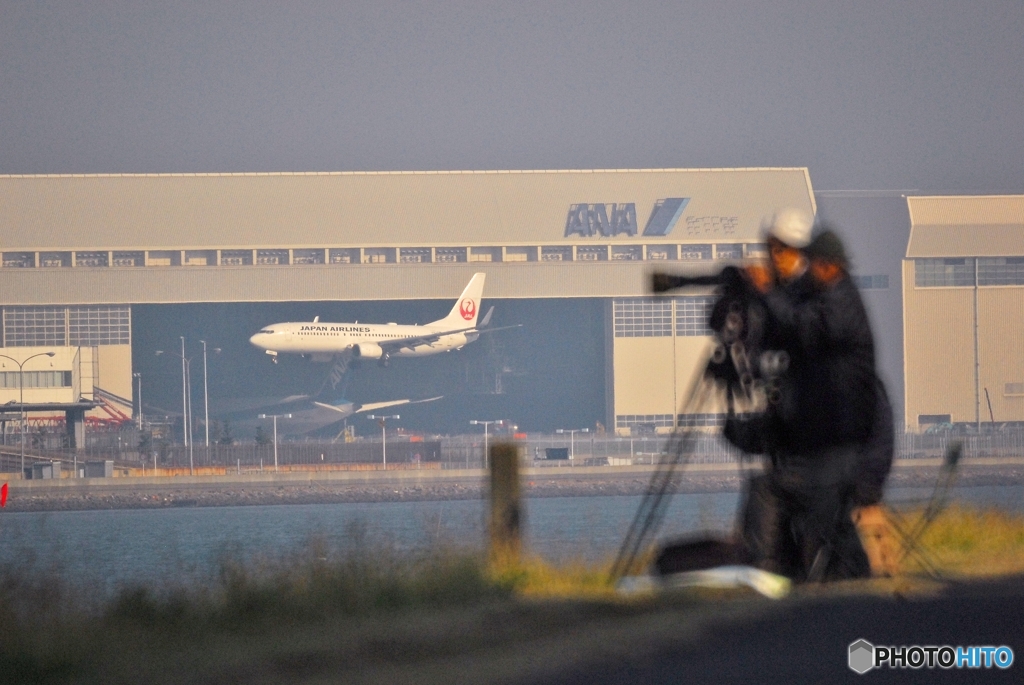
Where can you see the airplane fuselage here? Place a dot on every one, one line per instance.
(364, 340)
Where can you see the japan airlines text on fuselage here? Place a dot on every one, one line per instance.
(378, 341)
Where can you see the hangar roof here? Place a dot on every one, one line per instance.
(966, 226)
(125, 239)
(297, 210)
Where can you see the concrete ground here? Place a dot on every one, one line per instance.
(805, 640)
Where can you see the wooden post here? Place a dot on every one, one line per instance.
(506, 506)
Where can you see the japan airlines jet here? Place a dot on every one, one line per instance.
(324, 341)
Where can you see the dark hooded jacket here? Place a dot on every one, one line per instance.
(829, 396)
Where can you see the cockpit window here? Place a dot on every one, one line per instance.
(267, 330)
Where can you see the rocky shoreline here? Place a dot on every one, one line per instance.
(214, 495)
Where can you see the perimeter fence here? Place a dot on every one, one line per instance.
(130, 449)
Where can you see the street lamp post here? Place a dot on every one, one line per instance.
(384, 433)
(572, 443)
(206, 398)
(275, 417)
(485, 424)
(21, 395)
(138, 379)
(186, 400)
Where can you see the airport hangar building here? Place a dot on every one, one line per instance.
(80, 250)
(963, 293)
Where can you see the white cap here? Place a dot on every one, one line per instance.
(791, 226)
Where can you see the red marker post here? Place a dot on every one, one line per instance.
(3, 495)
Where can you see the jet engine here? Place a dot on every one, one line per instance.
(367, 351)
(457, 340)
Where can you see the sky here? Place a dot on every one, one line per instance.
(916, 94)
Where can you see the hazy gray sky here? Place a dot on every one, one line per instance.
(919, 94)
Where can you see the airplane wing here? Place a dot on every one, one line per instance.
(415, 341)
(348, 409)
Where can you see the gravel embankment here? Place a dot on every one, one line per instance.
(124, 494)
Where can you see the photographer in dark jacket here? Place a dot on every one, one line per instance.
(829, 267)
(796, 518)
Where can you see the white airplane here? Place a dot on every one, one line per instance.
(324, 342)
(305, 413)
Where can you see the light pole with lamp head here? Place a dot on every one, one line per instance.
(572, 443)
(275, 417)
(206, 398)
(21, 391)
(485, 424)
(384, 433)
(186, 403)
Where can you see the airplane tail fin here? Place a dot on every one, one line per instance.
(467, 307)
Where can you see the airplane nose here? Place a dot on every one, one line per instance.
(257, 340)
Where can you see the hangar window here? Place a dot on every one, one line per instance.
(448, 255)
(520, 253)
(592, 253)
(36, 379)
(642, 317)
(756, 250)
(692, 315)
(129, 259)
(235, 257)
(19, 259)
(937, 273)
(378, 255)
(163, 258)
(643, 423)
(200, 257)
(91, 326)
(414, 255)
(729, 251)
(696, 251)
(627, 252)
(1001, 271)
(54, 259)
(271, 257)
(701, 420)
(307, 256)
(344, 255)
(662, 252)
(483, 254)
(1013, 389)
(35, 326)
(556, 253)
(92, 259)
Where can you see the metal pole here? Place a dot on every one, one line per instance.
(384, 441)
(977, 361)
(486, 423)
(21, 390)
(138, 377)
(184, 391)
(275, 443)
(206, 402)
(188, 422)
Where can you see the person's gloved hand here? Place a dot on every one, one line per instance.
(662, 282)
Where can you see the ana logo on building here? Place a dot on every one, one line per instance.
(467, 309)
(612, 219)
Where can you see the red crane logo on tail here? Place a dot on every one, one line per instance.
(467, 309)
